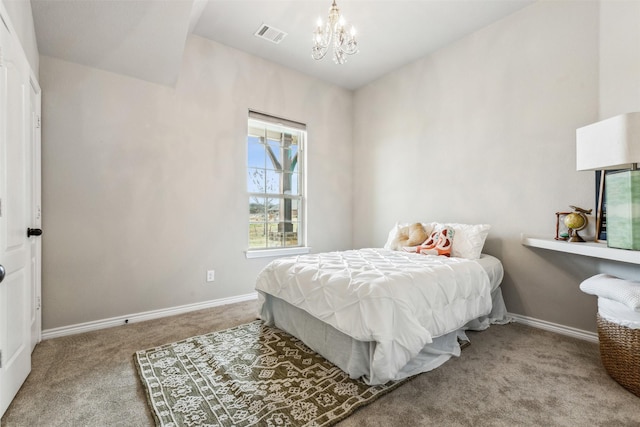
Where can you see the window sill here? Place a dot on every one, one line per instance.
(265, 253)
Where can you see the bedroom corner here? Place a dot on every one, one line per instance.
(483, 132)
(142, 189)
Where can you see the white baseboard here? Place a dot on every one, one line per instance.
(140, 317)
(554, 327)
(172, 311)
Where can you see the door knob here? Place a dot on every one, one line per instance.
(34, 232)
(1, 273)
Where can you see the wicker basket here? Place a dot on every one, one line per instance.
(620, 353)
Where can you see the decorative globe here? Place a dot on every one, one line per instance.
(575, 221)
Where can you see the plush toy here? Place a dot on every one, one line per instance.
(411, 235)
(439, 243)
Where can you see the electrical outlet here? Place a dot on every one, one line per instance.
(211, 275)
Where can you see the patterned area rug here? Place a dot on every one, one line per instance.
(250, 375)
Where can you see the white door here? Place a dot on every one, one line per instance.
(15, 209)
(35, 245)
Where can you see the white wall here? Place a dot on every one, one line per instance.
(483, 131)
(22, 20)
(144, 185)
(619, 57)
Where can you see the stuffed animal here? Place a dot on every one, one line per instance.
(439, 243)
(410, 235)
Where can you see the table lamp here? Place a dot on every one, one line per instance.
(614, 144)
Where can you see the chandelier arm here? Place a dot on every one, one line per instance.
(318, 54)
(350, 48)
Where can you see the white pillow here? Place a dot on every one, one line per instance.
(393, 233)
(468, 240)
(620, 290)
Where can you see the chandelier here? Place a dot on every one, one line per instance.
(344, 43)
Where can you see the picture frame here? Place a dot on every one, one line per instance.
(601, 204)
(601, 222)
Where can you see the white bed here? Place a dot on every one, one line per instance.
(379, 314)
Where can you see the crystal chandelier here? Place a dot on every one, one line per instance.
(344, 43)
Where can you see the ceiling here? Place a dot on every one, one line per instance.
(146, 38)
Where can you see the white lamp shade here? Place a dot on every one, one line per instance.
(609, 144)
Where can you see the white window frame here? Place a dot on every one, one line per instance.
(277, 125)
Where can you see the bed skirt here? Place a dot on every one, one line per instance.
(353, 356)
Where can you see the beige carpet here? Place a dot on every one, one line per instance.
(510, 375)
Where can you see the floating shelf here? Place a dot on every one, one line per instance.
(591, 249)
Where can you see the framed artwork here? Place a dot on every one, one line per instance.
(601, 213)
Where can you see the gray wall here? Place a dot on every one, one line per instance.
(144, 185)
(483, 131)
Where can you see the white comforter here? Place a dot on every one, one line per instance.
(399, 300)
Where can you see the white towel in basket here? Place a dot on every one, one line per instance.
(618, 313)
(613, 288)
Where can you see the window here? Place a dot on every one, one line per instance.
(275, 165)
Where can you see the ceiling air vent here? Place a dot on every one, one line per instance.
(270, 33)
